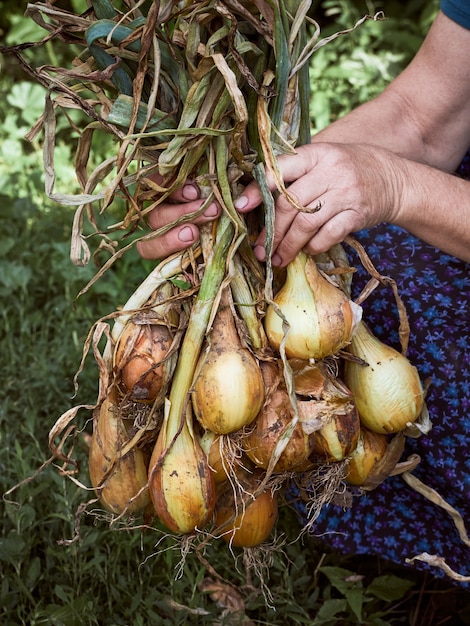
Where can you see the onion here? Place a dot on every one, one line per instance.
(249, 524)
(225, 457)
(371, 448)
(120, 481)
(338, 437)
(259, 444)
(316, 380)
(387, 391)
(321, 317)
(140, 365)
(228, 389)
(211, 444)
(181, 482)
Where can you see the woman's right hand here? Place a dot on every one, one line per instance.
(185, 200)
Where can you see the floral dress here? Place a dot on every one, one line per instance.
(394, 521)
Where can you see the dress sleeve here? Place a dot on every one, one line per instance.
(458, 11)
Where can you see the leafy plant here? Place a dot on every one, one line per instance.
(356, 601)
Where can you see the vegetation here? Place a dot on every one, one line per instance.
(50, 572)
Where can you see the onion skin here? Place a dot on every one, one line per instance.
(370, 450)
(388, 392)
(181, 483)
(228, 389)
(253, 525)
(338, 438)
(273, 418)
(129, 474)
(139, 361)
(322, 318)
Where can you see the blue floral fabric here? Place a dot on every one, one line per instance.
(394, 521)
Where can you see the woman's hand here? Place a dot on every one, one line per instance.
(344, 187)
(182, 202)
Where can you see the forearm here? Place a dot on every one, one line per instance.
(391, 122)
(382, 122)
(435, 206)
(424, 114)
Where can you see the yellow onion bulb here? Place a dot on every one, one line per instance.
(338, 437)
(228, 388)
(251, 524)
(228, 392)
(139, 362)
(370, 450)
(181, 483)
(270, 425)
(119, 481)
(321, 317)
(387, 392)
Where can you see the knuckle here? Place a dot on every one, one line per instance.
(153, 219)
(145, 250)
(293, 198)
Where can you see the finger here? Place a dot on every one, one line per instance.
(294, 228)
(250, 198)
(286, 245)
(332, 232)
(291, 168)
(165, 214)
(175, 240)
(189, 191)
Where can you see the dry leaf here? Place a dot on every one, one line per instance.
(228, 598)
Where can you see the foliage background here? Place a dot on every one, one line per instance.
(120, 577)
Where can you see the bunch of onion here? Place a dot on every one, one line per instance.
(209, 92)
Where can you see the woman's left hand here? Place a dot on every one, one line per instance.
(344, 187)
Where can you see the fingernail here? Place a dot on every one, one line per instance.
(260, 253)
(190, 192)
(241, 202)
(186, 234)
(276, 260)
(211, 210)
